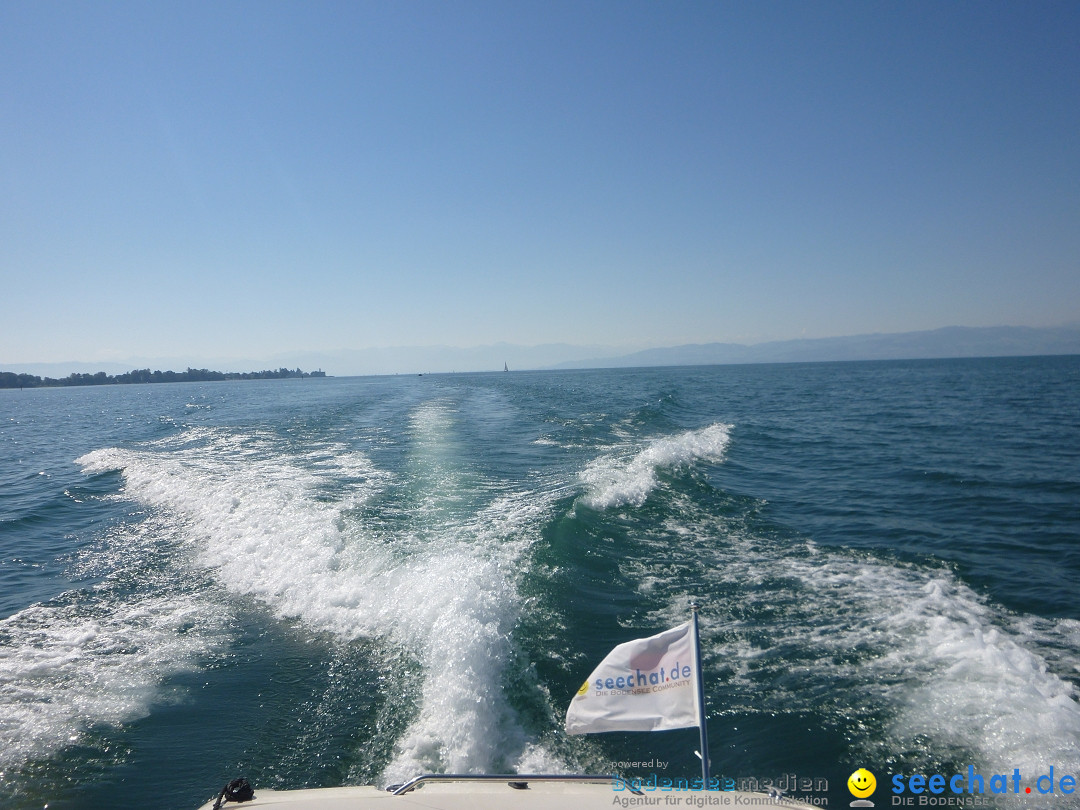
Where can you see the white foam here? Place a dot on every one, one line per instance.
(982, 683)
(620, 479)
(954, 668)
(66, 668)
(435, 574)
(909, 643)
(438, 582)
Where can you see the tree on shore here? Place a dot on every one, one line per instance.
(9, 379)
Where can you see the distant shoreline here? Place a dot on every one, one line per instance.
(946, 342)
(9, 379)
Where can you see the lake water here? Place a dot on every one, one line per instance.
(343, 581)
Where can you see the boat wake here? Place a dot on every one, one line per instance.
(395, 557)
(627, 477)
(913, 665)
(427, 557)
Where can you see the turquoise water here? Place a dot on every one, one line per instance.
(323, 582)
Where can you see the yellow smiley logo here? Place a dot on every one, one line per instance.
(861, 783)
(584, 688)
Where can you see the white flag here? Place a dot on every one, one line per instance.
(643, 685)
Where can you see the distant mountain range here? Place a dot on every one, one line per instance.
(952, 341)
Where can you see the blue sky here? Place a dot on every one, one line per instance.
(206, 180)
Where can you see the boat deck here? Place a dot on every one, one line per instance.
(492, 795)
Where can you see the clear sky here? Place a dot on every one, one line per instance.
(238, 179)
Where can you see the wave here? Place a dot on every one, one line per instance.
(71, 666)
(394, 559)
(916, 667)
(905, 648)
(427, 558)
(622, 479)
(950, 667)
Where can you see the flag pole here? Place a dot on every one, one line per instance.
(702, 728)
